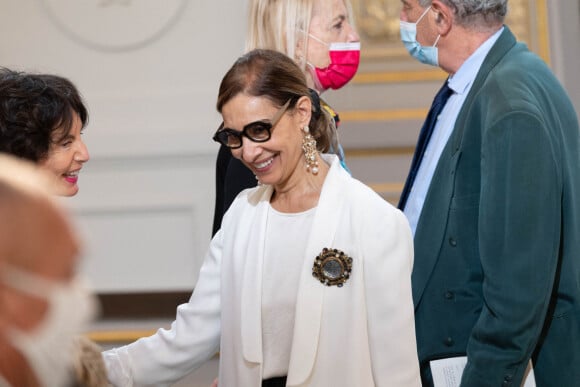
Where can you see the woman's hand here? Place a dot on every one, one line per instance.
(89, 366)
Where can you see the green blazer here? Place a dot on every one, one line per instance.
(497, 246)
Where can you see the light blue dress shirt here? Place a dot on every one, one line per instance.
(460, 83)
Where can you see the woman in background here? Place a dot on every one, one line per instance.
(320, 37)
(42, 117)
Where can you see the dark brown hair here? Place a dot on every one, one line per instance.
(273, 75)
(32, 108)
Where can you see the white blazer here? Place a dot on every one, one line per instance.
(358, 335)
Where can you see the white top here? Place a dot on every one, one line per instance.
(460, 83)
(283, 261)
(343, 336)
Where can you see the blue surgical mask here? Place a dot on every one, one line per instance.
(427, 55)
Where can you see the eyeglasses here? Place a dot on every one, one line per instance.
(258, 131)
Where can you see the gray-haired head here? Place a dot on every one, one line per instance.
(475, 14)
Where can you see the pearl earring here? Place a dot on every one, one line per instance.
(310, 152)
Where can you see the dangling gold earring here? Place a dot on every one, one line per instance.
(310, 152)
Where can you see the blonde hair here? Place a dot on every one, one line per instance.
(281, 24)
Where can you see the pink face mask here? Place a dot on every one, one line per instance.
(344, 61)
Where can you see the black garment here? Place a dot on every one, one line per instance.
(231, 178)
(426, 376)
(424, 136)
(274, 382)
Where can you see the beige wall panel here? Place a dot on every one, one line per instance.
(149, 71)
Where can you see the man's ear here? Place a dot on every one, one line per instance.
(443, 18)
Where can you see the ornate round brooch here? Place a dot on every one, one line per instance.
(332, 267)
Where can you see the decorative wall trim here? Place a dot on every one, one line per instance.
(383, 115)
(381, 151)
(103, 26)
(141, 304)
(400, 76)
(543, 31)
(118, 336)
(387, 187)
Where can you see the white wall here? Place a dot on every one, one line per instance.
(149, 71)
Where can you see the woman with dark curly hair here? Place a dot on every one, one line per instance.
(42, 117)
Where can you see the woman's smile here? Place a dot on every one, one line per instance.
(263, 165)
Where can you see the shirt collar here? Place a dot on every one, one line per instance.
(464, 77)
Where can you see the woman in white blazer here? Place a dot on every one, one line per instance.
(307, 283)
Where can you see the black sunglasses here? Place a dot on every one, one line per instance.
(258, 131)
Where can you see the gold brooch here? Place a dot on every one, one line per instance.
(332, 267)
